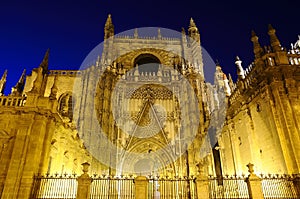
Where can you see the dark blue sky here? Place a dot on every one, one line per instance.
(71, 29)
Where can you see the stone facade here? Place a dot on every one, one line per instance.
(48, 126)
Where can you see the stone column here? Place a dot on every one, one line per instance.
(254, 184)
(141, 187)
(84, 183)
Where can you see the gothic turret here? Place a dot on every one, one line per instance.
(194, 42)
(257, 49)
(17, 90)
(280, 55)
(276, 46)
(3, 82)
(109, 29)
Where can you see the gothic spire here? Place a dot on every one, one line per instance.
(45, 61)
(257, 49)
(108, 28)
(41, 71)
(18, 88)
(273, 39)
(192, 23)
(193, 31)
(240, 70)
(3, 82)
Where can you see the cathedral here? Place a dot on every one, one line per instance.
(141, 106)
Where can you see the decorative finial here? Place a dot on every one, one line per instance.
(270, 27)
(240, 70)
(192, 23)
(109, 20)
(85, 167)
(250, 168)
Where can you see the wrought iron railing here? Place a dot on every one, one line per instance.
(228, 187)
(123, 187)
(169, 188)
(281, 186)
(112, 187)
(54, 187)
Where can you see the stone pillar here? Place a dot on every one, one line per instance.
(254, 184)
(202, 183)
(84, 183)
(202, 187)
(141, 187)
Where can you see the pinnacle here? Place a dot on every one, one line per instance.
(109, 20)
(270, 27)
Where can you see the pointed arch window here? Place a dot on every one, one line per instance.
(66, 103)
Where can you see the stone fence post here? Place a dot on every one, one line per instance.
(254, 184)
(202, 187)
(84, 183)
(296, 182)
(141, 187)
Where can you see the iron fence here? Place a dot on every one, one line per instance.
(232, 187)
(123, 187)
(281, 186)
(112, 187)
(54, 187)
(172, 188)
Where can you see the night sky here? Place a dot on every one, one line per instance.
(71, 29)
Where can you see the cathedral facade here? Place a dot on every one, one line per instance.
(143, 107)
